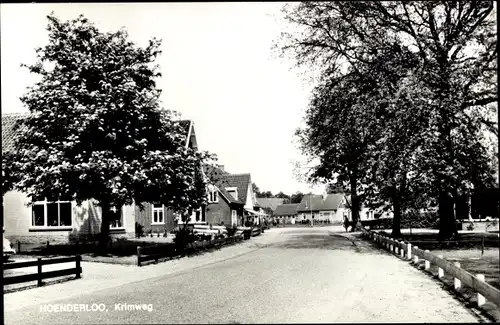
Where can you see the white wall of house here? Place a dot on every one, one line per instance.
(85, 220)
(251, 201)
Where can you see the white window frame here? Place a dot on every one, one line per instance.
(153, 210)
(213, 196)
(45, 215)
(231, 189)
(234, 217)
(122, 217)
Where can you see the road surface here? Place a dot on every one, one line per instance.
(298, 275)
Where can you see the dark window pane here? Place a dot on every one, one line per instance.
(215, 196)
(65, 214)
(160, 216)
(52, 214)
(116, 218)
(155, 216)
(198, 215)
(38, 215)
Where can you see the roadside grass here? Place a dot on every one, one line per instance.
(119, 251)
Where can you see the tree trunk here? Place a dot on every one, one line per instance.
(105, 220)
(355, 205)
(447, 223)
(396, 221)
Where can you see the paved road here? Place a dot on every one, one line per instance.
(301, 276)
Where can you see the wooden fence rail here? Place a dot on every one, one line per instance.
(150, 253)
(40, 275)
(476, 282)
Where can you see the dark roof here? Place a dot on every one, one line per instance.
(9, 129)
(218, 177)
(286, 209)
(271, 203)
(330, 202)
(240, 181)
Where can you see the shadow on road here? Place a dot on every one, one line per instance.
(315, 241)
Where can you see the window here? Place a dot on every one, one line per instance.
(233, 191)
(233, 217)
(158, 214)
(368, 215)
(116, 218)
(51, 214)
(213, 196)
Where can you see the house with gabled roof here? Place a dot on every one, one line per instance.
(287, 213)
(270, 203)
(324, 208)
(231, 198)
(224, 207)
(62, 221)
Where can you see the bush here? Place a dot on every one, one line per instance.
(415, 219)
(139, 230)
(231, 230)
(184, 236)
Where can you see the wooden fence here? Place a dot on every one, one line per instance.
(154, 253)
(413, 254)
(40, 275)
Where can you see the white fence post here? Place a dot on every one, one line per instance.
(480, 298)
(427, 263)
(440, 270)
(402, 250)
(396, 246)
(408, 254)
(457, 283)
(415, 258)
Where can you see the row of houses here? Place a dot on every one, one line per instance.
(231, 201)
(332, 208)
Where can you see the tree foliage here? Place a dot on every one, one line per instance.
(96, 129)
(413, 125)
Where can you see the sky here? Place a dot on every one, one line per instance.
(217, 70)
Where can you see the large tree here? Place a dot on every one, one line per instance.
(96, 129)
(455, 42)
(296, 197)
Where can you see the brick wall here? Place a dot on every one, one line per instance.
(218, 212)
(86, 222)
(145, 218)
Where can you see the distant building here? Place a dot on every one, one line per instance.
(286, 213)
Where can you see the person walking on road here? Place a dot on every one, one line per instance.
(346, 223)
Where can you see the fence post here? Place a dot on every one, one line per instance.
(440, 270)
(408, 255)
(402, 250)
(480, 298)
(39, 266)
(78, 266)
(482, 245)
(457, 283)
(138, 255)
(18, 246)
(427, 265)
(415, 258)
